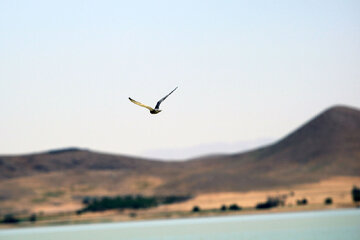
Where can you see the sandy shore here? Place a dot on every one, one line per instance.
(337, 188)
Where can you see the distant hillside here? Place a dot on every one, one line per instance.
(333, 137)
(328, 145)
(68, 159)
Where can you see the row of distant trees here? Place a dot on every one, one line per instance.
(138, 202)
(277, 201)
(272, 202)
(10, 218)
(128, 202)
(232, 207)
(95, 204)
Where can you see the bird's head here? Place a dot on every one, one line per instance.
(155, 111)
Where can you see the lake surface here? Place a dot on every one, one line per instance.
(319, 225)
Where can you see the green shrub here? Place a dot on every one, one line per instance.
(33, 217)
(270, 203)
(234, 207)
(328, 201)
(196, 209)
(355, 192)
(9, 218)
(302, 201)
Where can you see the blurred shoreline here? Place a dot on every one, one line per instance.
(338, 189)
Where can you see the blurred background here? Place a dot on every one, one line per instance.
(266, 116)
(248, 73)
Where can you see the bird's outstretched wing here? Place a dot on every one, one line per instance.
(140, 104)
(161, 100)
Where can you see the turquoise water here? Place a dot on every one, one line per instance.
(317, 225)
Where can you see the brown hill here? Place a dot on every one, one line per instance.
(326, 146)
(68, 159)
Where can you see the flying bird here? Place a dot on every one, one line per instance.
(156, 109)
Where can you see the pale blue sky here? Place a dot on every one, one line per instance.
(246, 70)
